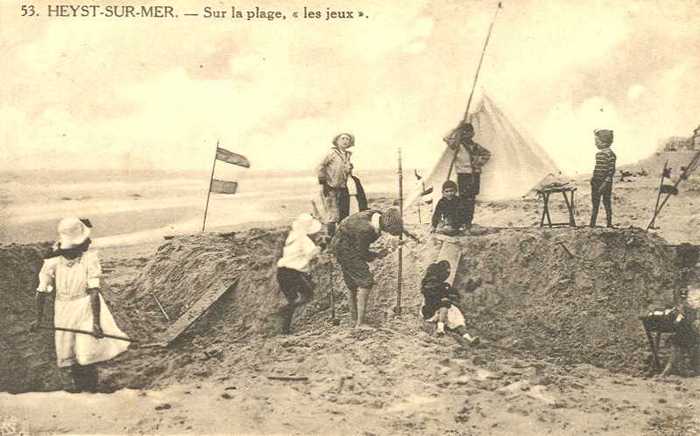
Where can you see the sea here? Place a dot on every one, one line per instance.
(138, 205)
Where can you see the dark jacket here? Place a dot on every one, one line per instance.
(448, 212)
(356, 233)
(436, 291)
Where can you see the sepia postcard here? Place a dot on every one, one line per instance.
(426, 217)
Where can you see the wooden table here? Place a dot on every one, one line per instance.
(568, 194)
(659, 321)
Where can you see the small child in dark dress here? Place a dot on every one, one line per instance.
(440, 302)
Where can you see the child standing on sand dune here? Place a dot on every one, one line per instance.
(74, 272)
(603, 172)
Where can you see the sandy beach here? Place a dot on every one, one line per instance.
(397, 378)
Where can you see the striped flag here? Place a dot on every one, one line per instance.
(231, 157)
(223, 187)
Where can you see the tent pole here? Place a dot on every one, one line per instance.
(476, 78)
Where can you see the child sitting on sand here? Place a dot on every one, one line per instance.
(440, 299)
(293, 268)
(448, 215)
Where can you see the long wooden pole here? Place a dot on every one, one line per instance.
(658, 197)
(399, 283)
(211, 180)
(476, 78)
(420, 219)
(684, 175)
(84, 332)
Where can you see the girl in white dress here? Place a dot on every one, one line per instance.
(74, 273)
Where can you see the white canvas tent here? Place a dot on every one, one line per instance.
(516, 165)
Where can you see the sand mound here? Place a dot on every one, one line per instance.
(582, 307)
(27, 360)
(186, 268)
(526, 294)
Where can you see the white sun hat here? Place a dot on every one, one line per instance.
(72, 232)
(307, 224)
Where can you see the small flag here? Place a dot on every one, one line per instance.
(223, 187)
(231, 157)
(669, 189)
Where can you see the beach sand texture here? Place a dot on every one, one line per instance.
(541, 315)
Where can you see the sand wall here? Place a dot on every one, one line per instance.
(520, 289)
(27, 360)
(583, 307)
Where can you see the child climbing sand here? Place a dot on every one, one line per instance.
(440, 299)
(294, 266)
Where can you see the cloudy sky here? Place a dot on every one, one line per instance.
(146, 93)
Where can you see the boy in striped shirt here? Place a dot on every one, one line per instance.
(602, 180)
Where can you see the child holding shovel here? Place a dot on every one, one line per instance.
(74, 273)
(293, 267)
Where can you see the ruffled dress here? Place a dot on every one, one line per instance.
(71, 278)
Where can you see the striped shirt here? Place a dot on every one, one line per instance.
(604, 165)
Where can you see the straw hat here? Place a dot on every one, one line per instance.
(72, 232)
(351, 136)
(307, 224)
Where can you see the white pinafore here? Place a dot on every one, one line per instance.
(71, 280)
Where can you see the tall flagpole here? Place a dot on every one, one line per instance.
(211, 180)
(476, 78)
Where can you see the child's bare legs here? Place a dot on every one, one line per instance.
(362, 297)
(442, 319)
(293, 302)
(353, 305)
(462, 331)
(673, 362)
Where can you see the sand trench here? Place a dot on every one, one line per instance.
(522, 291)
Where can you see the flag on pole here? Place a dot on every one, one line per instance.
(231, 157)
(424, 191)
(669, 189)
(223, 187)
